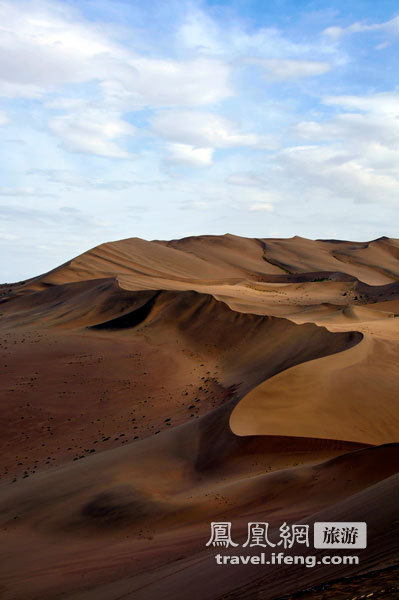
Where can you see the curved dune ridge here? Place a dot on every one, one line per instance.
(320, 399)
(150, 388)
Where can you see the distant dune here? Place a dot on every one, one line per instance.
(151, 388)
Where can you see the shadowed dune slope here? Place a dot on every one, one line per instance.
(381, 536)
(109, 510)
(93, 366)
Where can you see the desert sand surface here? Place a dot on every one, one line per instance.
(151, 388)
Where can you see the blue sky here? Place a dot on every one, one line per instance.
(169, 119)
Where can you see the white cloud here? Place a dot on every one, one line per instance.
(385, 103)
(288, 69)
(362, 152)
(20, 191)
(94, 132)
(327, 174)
(3, 118)
(68, 104)
(185, 154)
(354, 129)
(382, 46)
(200, 33)
(246, 179)
(168, 83)
(351, 157)
(74, 179)
(262, 207)
(203, 130)
(47, 45)
(391, 27)
(195, 206)
(253, 198)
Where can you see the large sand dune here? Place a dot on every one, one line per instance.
(150, 388)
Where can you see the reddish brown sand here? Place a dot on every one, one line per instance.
(150, 388)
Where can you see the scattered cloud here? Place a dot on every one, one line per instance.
(382, 46)
(20, 213)
(391, 27)
(74, 179)
(262, 207)
(22, 191)
(93, 133)
(358, 158)
(280, 69)
(385, 103)
(167, 83)
(247, 179)
(204, 130)
(327, 174)
(200, 33)
(48, 45)
(346, 159)
(50, 216)
(45, 45)
(184, 154)
(195, 205)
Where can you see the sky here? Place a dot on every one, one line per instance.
(163, 120)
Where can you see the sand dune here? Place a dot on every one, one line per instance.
(198, 259)
(149, 388)
(318, 398)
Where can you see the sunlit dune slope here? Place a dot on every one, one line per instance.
(138, 262)
(351, 396)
